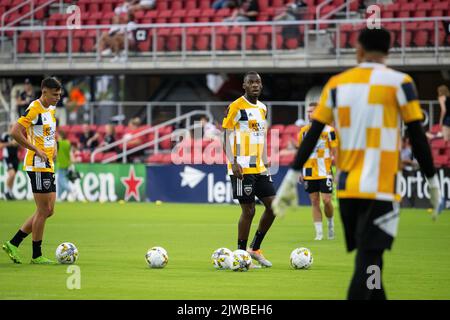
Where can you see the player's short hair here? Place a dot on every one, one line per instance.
(375, 40)
(50, 83)
(313, 104)
(250, 73)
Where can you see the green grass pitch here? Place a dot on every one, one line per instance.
(113, 238)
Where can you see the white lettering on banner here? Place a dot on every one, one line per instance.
(90, 185)
(20, 185)
(107, 187)
(220, 192)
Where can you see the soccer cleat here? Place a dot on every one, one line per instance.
(12, 251)
(258, 256)
(330, 234)
(42, 260)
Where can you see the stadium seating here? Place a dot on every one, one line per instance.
(101, 12)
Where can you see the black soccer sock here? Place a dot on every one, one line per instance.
(361, 287)
(37, 252)
(256, 243)
(18, 238)
(242, 244)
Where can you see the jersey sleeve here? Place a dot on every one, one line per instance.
(408, 101)
(327, 102)
(332, 137)
(28, 117)
(300, 135)
(232, 117)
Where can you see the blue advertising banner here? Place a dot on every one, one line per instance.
(211, 184)
(199, 184)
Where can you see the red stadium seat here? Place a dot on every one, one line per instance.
(192, 15)
(178, 16)
(190, 5)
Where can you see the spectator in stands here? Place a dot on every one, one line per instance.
(76, 101)
(123, 8)
(293, 11)
(88, 139)
(142, 5)
(110, 135)
(210, 131)
(444, 101)
(408, 161)
(129, 31)
(134, 127)
(24, 98)
(223, 4)
(248, 10)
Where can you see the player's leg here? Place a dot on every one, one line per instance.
(370, 226)
(265, 191)
(243, 191)
(314, 197)
(329, 213)
(265, 223)
(245, 222)
(45, 203)
(368, 263)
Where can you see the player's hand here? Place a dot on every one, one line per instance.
(41, 154)
(300, 178)
(435, 196)
(237, 170)
(286, 194)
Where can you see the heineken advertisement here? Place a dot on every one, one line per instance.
(98, 182)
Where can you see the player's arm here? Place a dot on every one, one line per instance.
(229, 124)
(19, 132)
(412, 115)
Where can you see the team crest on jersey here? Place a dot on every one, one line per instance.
(248, 190)
(46, 183)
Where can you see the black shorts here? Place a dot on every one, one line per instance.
(446, 122)
(369, 224)
(252, 185)
(320, 185)
(12, 164)
(42, 182)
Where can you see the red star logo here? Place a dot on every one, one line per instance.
(132, 184)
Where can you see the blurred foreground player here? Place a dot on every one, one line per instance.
(366, 103)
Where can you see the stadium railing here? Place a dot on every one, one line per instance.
(423, 39)
(190, 124)
(178, 109)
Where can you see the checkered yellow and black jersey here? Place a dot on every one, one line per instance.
(319, 163)
(40, 123)
(367, 104)
(249, 124)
